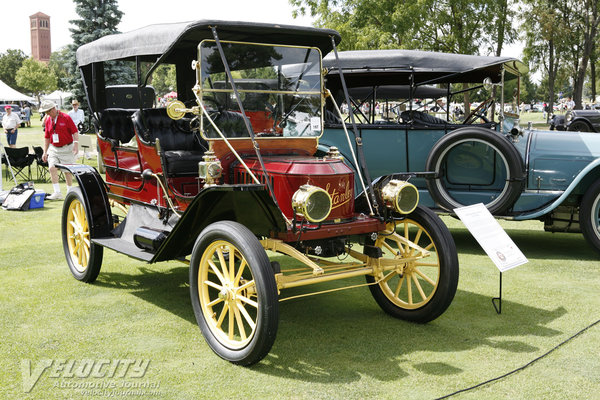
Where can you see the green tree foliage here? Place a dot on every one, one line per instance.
(164, 79)
(10, 62)
(451, 26)
(36, 77)
(98, 18)
(561, 35)
(59, 64)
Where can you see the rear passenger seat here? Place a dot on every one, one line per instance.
(182, 150)
(116, 125)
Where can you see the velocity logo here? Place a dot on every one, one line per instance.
(86, 368)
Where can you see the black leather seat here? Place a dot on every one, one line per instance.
(116, 125)
(182, 149)
(421, 118)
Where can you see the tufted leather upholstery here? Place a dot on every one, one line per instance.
(116, 125)
(182, 150)
(421, 118)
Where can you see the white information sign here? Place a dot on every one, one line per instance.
(491, 237)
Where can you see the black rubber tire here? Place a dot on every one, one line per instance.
(83, 267)
(265, 315)
(513, 163)
(589, 215)
(580, 126)
(444, 249)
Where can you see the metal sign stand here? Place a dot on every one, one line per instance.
(497, 301)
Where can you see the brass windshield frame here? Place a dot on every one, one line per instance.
(200, 90)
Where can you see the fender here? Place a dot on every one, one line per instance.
(95, 197)
(586, 121)
(582, 174)
(250, 205)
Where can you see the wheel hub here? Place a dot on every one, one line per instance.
(227, 293)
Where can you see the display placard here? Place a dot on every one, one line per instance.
(491, 237)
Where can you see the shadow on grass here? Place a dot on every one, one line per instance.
(340, 337)
(343, 337)
(166, 289)
(534, 244)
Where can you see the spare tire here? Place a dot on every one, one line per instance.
(491, 156)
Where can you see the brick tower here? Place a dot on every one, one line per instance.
(40, 37)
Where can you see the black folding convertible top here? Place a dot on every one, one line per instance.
(380, 67)
(163, 39)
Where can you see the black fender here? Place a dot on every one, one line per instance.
(580, 121)
(95, 197)
(250, 205)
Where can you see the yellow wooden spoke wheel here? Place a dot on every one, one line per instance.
(424, 281)
(234, 293)
(78, 235)
(83, 257)
(228, 294)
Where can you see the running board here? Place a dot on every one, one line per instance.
(123, 246)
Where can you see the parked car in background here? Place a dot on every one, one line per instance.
(16, 109)
(582, 120)
(517, 173)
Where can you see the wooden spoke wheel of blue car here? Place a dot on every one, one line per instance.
(83, 257)
(234, 293)
(589, 215)
(419, 290)
(475, 165)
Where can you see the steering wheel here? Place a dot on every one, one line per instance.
(479, 112)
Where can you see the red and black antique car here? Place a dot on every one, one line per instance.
(226, 179)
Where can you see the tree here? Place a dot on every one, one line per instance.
(36, 77)
(98, 18)
(586, 20)
(10, 62)
(164, 79)
(59, 63)
(451, 26)
(546, 44)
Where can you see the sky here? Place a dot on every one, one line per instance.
(15, 32)
(138, 13)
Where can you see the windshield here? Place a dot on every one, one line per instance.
(279, 87)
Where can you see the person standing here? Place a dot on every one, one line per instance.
(10, 123)
(27, 118)
(61, 144)
(76, 115)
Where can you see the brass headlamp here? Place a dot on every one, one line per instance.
(312, 202)
(210, 168)
(400, 196)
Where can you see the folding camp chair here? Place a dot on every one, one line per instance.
(42, 166)
(20, 162)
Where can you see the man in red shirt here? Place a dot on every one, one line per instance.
(61, 144)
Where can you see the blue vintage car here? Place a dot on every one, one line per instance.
(407, 112)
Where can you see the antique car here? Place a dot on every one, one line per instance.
(483, 157)
(583, 120)
(225, 179)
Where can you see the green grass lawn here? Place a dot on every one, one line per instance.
(332, 346)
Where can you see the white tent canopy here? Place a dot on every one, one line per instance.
(9, 94)
(59, 97)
